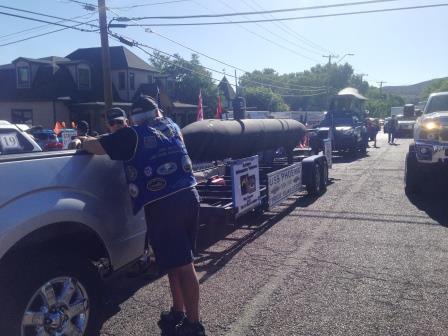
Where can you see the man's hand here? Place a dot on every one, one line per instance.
(92, 145)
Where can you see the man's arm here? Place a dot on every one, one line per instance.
(92, 145)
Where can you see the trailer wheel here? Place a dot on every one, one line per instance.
(314, 187)
(323, 176)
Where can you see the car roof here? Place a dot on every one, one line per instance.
(439, 94)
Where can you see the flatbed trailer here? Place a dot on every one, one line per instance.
(217, 191)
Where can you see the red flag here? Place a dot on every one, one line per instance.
(200, 115)
(219, 108)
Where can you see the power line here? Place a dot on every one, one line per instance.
(49, 22)
(285, 28)
(302, 87)
(40, 27)
(275, 34)
(227, 64)
(43, 34)
(290, 18)
(176, 17)
(138, 44)
(37, 13)
(148, 4)
(264, 37)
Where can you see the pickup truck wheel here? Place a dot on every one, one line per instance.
(314, 187)
(49, 295)
(412, 176)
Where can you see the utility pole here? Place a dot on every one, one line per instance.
(107, 81)
(362, 75)
(381, 88)
(330, 57)
(236, 84)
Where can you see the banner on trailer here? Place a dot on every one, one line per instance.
(245, 184)
(328, 152)
(67, 136)
(284, 183)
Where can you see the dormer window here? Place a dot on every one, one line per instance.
(83, 78)
(23, 77)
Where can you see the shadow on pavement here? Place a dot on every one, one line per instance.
(349, 158)
(255, 224)
(433, 204)
(121, 287)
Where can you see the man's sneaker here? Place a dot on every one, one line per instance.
(169, 320)
(187, 328)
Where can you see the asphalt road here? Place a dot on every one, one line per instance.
(363, 259)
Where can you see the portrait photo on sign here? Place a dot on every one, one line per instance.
(247, 183)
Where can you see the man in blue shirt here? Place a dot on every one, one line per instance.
(160, 178)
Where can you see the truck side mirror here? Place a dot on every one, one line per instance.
(418, 113)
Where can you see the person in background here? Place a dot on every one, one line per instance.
(159, 175)
(392, 129)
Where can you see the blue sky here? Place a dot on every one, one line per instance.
(403, 47)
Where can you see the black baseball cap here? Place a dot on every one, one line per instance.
(82, 126)
(115, 113)
(144, 104)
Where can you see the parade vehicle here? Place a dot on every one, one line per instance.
(428, 154)
(63, 231)
(345, 120)
(257, 165)
(406, 121)
(69, 228)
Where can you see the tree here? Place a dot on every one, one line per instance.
(379, 106)
(440, 85)
(264, 99)
(190, 77)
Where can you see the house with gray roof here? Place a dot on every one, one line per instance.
(45, 90)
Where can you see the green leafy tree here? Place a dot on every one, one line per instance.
(265, 99)
(440, 85)
(190, 77)
(379, 105)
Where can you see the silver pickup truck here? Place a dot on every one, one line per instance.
(65, 224)
(428, 155)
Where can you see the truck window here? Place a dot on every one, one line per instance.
(437, 104)
(12, 142)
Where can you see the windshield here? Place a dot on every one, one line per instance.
(437, 104)
(349, 121)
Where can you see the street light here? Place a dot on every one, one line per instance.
(340, 60)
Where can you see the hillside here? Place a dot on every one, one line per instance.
(410, 93)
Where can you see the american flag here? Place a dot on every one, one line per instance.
(200, 115)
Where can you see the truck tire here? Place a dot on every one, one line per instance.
(314, 187)
(323, 176)
(412, 175)
(49, 294)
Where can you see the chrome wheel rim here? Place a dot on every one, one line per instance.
(59, 308)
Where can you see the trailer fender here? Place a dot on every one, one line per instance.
(307, 167)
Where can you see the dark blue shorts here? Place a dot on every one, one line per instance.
(173, 228)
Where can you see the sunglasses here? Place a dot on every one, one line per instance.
(115, 122)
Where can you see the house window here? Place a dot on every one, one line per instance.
(23, 77)
(150, 79)
(132, 81)
(121, 81)
(19, 116)
(83, 78)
